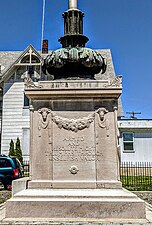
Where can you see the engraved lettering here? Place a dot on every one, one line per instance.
(74, 149)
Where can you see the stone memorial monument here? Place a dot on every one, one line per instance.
(74, 151)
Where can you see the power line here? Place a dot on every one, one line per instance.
(133, 114)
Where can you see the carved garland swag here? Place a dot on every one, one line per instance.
(72, 124)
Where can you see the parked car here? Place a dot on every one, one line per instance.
(10, 169)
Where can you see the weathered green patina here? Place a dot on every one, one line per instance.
(65, 60)
(73, 59)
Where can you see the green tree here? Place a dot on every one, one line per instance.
(11, 149)
(18, 151)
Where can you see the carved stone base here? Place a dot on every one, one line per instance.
(38, 184)
(75, 204)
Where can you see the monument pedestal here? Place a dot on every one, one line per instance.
(76, 204)
(74, 158)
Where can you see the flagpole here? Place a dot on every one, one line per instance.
(73, 4)
(43, 19)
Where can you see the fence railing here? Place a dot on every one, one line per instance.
(26, 166)
(134, 176)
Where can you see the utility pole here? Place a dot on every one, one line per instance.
(133, 114)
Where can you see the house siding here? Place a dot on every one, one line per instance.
(13, 117)
(142, 130)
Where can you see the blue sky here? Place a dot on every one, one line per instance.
(124, 26)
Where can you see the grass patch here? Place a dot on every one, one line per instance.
(137, 183)
(26, 174)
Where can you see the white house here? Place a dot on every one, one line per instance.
(15, 66)
(135, 140)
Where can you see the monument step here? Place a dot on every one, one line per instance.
(76, 222)
(101, 194)
(74, 184)
(75, 204)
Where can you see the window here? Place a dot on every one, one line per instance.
(4, 163)
(128, 142)
(17, 163)
(26, 59)
(26, 101)
(30, 70)
(35, 59)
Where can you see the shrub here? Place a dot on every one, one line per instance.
(18, 151)
(11, 149)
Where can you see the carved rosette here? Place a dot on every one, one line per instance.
(74, 170)
(73, 124)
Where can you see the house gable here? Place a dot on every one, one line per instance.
(18, 69)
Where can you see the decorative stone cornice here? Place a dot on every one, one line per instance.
(116, 82)
(28, 83)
